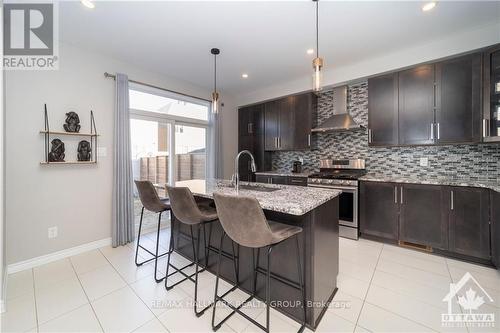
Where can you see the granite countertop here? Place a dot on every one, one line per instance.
(293, 200)
(486, 183)
(284, 173)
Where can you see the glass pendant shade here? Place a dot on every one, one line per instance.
(215, 102)
(317, 74)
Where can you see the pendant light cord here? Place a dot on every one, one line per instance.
(215, 72)
(317, 29)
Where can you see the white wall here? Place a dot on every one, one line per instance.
(333, 75)
(75, 198)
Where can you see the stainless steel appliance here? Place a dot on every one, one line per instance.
(342, 175)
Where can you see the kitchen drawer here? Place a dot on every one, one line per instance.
(297, 181)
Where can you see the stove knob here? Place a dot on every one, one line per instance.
(329, 181)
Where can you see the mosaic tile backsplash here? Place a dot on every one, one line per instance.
(458, 161)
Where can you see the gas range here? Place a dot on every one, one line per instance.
(342, 175)
(338, 173)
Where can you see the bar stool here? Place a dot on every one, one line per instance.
(189, 212)
(151, 202)
(243, 220)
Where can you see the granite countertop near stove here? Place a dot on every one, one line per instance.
(293, 200)
(284, 173)
(484, 183)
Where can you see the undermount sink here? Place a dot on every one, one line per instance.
(256, 188)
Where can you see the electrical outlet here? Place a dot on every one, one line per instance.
(52, 232)
(102, 151)
(424, 162)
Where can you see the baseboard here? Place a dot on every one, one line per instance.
(42, 260)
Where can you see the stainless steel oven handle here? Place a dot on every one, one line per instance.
(341, 188)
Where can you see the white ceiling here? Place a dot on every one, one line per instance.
(267, 40)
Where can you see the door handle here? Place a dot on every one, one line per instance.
(402, 195)
(395, 194)
(452, 200)
(438, 132)
(432, 131)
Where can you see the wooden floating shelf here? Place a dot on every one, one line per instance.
(68, 133)
(69, 162)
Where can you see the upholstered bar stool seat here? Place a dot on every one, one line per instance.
(195, 215)
(151, 202)
(243, 220)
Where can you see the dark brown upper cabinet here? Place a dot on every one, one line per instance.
(379, 209)
(251, 137)
(288, 122)
(491, 95)
(469, 228)
(383, 110)
(458, 100)
(416, 106)
(424, 220)
(436, 103)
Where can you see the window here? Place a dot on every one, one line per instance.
(168, 135)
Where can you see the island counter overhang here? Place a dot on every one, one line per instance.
(313, 209)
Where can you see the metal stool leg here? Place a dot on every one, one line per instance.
(268, 287)
(196, 259)
(155, 255)
(139, 238)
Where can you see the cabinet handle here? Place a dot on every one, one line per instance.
(432, 131)
(402, 195)
(485, 128)
(279, 142)
(250, 128)
(275, 142)
(395, 194)
(309, 140)
(270, 180)
(438, 132)
(452, 200)
(369, 136)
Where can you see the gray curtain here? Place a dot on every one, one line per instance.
(123, 206)
(214, 162)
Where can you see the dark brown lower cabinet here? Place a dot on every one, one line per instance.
(379, 209)
(423, 216)
(271, 179)
(459, 220)
(469, 228)
(495, 227)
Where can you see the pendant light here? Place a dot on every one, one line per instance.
(317, 62)
(215, 94)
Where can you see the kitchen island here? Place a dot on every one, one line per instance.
(313, 209)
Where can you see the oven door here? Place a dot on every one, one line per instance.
(348, 204)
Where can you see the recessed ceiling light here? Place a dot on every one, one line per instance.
(428, 6)
(244, 75)
(310, 51)
(88, 3)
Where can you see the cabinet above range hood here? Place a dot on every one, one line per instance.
(340, 120)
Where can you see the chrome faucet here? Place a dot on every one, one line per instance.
(236, 176)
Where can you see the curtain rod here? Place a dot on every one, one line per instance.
(108, 75)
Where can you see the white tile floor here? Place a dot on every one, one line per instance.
(382, 288)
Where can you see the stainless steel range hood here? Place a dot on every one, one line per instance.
(340, 120)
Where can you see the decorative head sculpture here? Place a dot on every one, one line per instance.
(84, 151)
(72, 122)
(57, 149)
